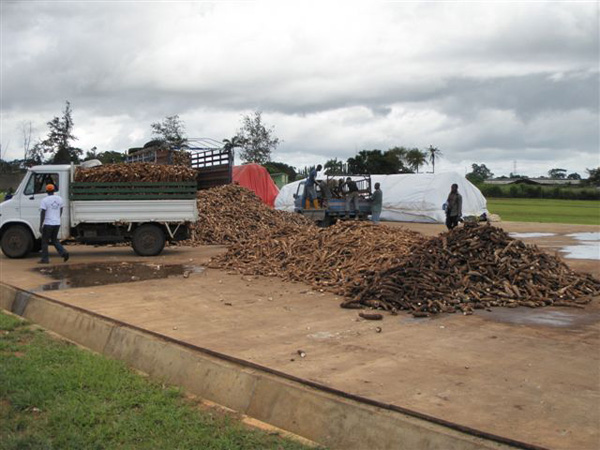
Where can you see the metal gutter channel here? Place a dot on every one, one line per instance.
(317, 412)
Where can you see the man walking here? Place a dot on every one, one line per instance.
(376, 204)
(453, 207)
(51, 210)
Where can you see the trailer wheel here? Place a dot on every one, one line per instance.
(17, 241)
(325, 222)
(148, 240)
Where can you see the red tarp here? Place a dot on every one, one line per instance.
(257, 179)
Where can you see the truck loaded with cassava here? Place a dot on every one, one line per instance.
(140, 203)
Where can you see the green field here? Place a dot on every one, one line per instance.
(56, 395)
(584, 212)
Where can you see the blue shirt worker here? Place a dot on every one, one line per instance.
(310, 193)
(376, 204)
(51, 210)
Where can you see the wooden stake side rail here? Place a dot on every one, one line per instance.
(178, 190)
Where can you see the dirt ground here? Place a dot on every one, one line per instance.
(527, 374)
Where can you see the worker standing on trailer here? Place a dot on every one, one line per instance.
(51, 210)
(310, 193)
(351, 197)
(340, 189)
(376, 204)
(453, 207)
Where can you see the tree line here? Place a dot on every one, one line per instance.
(256, 142)
(392, 161)
(480, 173)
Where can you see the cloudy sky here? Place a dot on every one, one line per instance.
(494, 83)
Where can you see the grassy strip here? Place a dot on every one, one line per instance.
(56, 395)
(584, 212)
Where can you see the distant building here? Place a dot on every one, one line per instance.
(534, 181)
(280, 179)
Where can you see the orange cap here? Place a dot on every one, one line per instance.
(49, 187)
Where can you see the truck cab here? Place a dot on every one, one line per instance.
(20, 215)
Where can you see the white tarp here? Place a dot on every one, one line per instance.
(411, 197)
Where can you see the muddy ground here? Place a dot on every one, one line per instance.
(527, 374)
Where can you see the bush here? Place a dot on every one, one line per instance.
(532, 191)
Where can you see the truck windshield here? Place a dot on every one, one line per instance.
(37, 183)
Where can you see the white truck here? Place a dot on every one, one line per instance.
(145, 214)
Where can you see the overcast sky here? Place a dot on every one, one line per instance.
(493, 83)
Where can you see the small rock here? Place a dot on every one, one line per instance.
(301, 353)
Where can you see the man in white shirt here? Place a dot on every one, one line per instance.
(51, 210)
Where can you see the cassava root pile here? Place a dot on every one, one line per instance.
(473, 267)
(135, 172)
(331, 258)
(230, 214)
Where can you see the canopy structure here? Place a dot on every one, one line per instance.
(411, 197)
(256, 178)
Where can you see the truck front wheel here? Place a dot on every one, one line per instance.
(16, 242)
(148, 240)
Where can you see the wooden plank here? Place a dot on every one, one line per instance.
(83, 197)
(134, 191)
(190, 184)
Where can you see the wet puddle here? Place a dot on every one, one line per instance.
(87, 275)
(530, 235)
(588, 248)
(582, 251)
(588, 236)
(549, 317)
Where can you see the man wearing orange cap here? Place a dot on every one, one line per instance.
(51, 211)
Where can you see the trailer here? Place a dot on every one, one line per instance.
(332, 202)
(213, 163)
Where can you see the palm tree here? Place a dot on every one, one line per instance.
(434, 152)
(234, 142)
(415, 158)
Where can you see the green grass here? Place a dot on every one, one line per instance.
(56, 395)
(585, 212)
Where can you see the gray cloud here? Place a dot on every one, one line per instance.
(502, 80)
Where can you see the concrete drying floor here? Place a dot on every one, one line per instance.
(531, 375)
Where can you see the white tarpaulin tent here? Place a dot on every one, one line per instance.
(411, 197)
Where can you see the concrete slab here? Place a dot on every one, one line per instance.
(534, 381)
(309, 410)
